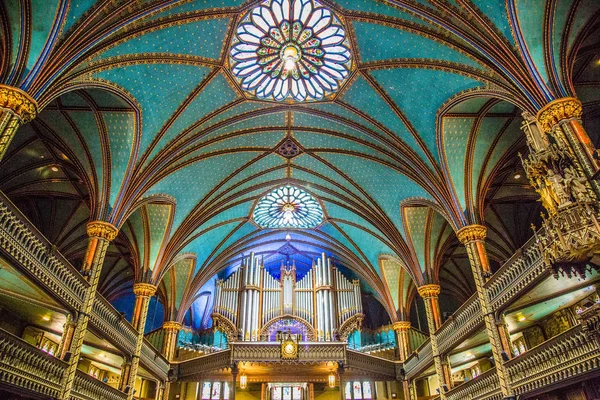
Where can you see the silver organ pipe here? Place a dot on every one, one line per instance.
(252, 298)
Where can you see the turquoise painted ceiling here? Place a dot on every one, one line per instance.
(148, 129)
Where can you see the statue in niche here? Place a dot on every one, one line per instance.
(557, 183)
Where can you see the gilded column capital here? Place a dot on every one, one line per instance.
(471, 232)
(144, 289)
(19, 102)
(171, 326)
(401, 326)
(558, 110)
(427, 291)
(102, 229)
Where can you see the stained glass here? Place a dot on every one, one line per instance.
(348, 391)
(287, 393)
(206, 391)
(277, 393)
(288, 207)
(216, 390)
(367, 391)
(357, 391)
(296, 393)
(290, 49)
(226, 391)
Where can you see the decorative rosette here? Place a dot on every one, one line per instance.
(290, 49)
(288, 207)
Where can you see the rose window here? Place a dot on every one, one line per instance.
(290, 49)
(288, 207)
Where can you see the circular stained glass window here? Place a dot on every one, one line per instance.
(288, 207)
(290, 49)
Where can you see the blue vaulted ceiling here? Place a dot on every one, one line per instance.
(153, 134)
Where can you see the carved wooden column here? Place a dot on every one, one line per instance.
(143, 292)
(67, 337)
(473, 238)
(430, 294)
(234, 373)
(125, 373)
(101, 234)
(401, 328)
(561, 118)
(16, 108)
(340, 371)
(171, 329)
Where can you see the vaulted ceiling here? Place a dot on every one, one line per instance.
(144, 125)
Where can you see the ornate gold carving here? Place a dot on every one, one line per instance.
(431, 290)
(289, 348)
(144, 289)
(401, 326)
(172, 326)
(102, 230)
(19, 102)
(351, 324)
(471, 232)
(554, 112)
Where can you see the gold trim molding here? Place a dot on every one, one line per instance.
(401, 326)
(19, 102)
(102, 230)
(144, 289)
(555, 111)
(171, 326)
(431, 290)
(471, 232)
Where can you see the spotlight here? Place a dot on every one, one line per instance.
(54, 168)
(517, 175)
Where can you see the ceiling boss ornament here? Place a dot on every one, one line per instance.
(292, 50)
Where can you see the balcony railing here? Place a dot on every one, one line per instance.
(196, 367)
(308, 352)
(385, 369)
(26, 367)
(485, 387)
(524, 268)
(569, 355)
(21, 240)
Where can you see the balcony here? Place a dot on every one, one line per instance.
(520, 271)
(26, 367)
(484, 387)
(22, 242)
(570, 355)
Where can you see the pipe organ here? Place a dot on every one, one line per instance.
(254, 305)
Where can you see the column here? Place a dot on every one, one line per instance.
(125, 373)
(234, 373)
(473, 238)
(430, 294)
(100, 235)
(143, 292)
(171, 329)
(563, 117)
(16, 108)
(340, 371)
(401, 328)
(67, 337)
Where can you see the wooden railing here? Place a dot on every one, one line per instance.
(569, 355)
(26, 367)
(21, 241)
(308, 352)
(383, 368)
(517, 274)
(485, 387)
(195, 368)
